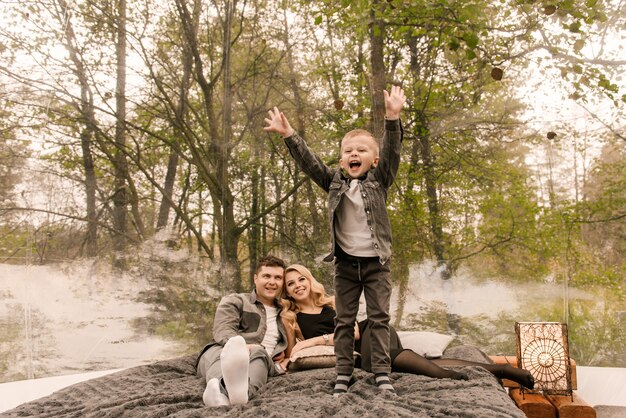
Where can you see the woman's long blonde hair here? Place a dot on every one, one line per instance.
(318, 294)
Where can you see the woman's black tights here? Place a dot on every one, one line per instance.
(410, 362)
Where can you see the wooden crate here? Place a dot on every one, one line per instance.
(533, 405)
(572, 407)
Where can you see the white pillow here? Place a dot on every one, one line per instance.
(426, 343)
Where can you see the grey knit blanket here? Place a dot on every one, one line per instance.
(171, 388)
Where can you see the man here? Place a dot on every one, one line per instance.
(248, 337)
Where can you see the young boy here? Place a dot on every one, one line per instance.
(360, 230)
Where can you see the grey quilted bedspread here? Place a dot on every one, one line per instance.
(171, 388)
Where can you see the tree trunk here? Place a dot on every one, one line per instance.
(430, 183)
(120, 197)
(168, 190)
(317, 220)
(215, 174)
(91, 237)
(254, 233)
(424, 148)
(377, 58)
(401, 273)
(86, 136)
(300, 127)
(180, 113)
(229, 267)
(362, 85)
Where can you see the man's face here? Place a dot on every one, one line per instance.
(358, 154)
(269, 283)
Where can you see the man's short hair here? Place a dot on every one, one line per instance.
(270, 261)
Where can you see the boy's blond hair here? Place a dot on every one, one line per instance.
(361, 132)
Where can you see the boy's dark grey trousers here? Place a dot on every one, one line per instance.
(354, 275)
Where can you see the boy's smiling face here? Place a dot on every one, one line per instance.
(358, 154)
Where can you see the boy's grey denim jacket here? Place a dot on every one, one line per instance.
(243, 314)
(373, 185)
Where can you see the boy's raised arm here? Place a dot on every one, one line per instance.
(277, 122)
(394, 101)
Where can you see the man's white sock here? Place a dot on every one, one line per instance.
(235, 360)
(212, 395)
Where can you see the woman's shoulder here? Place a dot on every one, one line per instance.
(328, 309)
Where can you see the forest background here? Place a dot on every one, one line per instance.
(128, 122)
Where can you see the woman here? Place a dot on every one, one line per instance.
(309, 314)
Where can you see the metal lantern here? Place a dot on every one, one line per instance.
(542, 349)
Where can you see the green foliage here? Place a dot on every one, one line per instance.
(495, 336)
(15, 245)
(24, 243)
(596, 333)
(595, 328)
(433, 318)
(181, 314)
(182, 310)
(10, 334)
(14, 154)
(608, 278)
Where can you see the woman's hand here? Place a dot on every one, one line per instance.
(300, 345)
(284, 363)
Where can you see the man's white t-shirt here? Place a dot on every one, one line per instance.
(271, 334)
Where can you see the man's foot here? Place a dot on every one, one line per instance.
(235, 359)
(341, 385)
(383, 382)
(212, 395)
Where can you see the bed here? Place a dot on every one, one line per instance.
(171, 388)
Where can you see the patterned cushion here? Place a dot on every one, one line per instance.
(316, 357)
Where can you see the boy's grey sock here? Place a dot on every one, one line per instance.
(341, 385)
(383, 382)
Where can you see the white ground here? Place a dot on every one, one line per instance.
(70, 320)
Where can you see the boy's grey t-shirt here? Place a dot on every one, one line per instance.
(352, 231)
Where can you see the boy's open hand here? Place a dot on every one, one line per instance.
(277, 122)
(394, 102)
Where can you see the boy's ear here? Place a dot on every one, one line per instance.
(375, 162)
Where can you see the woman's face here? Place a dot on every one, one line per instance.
(297, 286)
